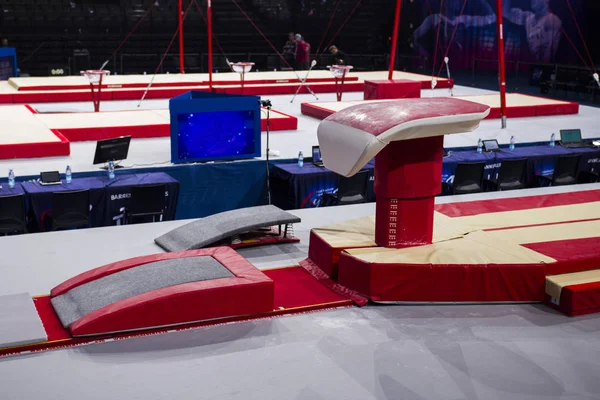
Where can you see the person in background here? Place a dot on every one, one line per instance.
(289, 51)
(339, 57)
(302, 53)
(4, 42)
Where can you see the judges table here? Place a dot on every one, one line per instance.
(293, 187)
(108, 198)
(540, 160)
(5, 190)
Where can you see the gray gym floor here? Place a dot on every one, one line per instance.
(375, 352)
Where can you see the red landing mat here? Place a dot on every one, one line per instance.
(296, 291)
(578, 299)
(518, 106)
(484, 251)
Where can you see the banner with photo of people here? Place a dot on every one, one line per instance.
(536, 31)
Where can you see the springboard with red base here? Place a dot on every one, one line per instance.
(275, 292)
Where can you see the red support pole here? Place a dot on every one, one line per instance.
(181, 36)
(210, 51)
(502, 77)
(394, 39)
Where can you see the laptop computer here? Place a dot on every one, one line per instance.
(316, 156)
(491, 145)
(50, 178)
(571, 138)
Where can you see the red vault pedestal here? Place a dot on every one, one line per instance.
(407, 179)
(392, 89)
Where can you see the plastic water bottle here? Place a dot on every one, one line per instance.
(111, 170)
(552, 137)
(512, 143)
(300, 160)
(11, 178)
(68, 174)
(479, 145)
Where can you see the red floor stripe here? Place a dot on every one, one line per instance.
(470, 208)
(505, 228)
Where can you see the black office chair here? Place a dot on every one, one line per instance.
(13, 215)
(566, 171)
(468, 178)
(146, 201)
(352, 190)
(71, 210)
(588, 177)
(511, 175)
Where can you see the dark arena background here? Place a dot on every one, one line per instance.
(63, 37)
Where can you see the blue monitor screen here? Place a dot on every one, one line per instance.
(216, 135)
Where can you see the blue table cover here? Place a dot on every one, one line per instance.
(293, 187)
(540, 160)
(5, 190)
(108, 199)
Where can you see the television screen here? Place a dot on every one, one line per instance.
(215, 135)
(115, 149)
(209, 126)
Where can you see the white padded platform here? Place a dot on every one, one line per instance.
(20, 323)
(20, 126)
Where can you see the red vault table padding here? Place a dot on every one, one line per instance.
(392, 89)
(404, 214)
(443, 282)
(249, 291)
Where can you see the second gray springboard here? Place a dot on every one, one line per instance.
(210, 230)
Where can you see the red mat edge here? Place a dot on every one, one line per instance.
(477, 207)
(178, 84)
(322, 277)
(64, 343)
(36, 149)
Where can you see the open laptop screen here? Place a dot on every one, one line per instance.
(316, 154)
(50, 177)
(570, 135)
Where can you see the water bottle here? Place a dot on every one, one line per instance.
(300, 160)
(479, 145)
(11, 178)
(68, 174)
(111, 170)
(552, 143)
(512, 143)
